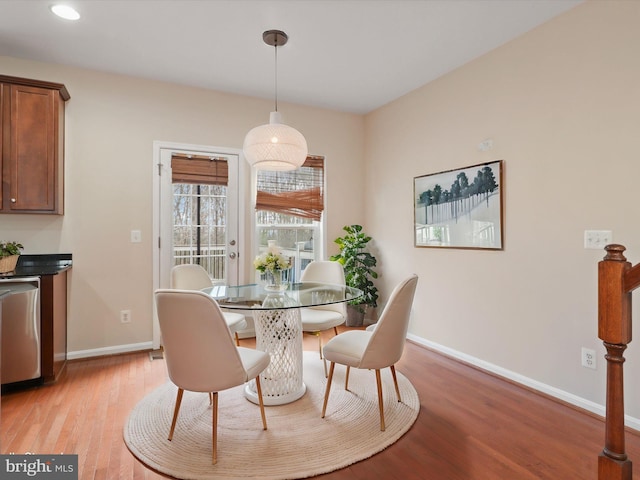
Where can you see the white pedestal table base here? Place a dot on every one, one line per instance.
(279, 333)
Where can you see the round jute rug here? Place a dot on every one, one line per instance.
(297, 444)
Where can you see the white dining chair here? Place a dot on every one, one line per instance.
(315, 320)
(377, 348)
(195, 277)
(200, 355)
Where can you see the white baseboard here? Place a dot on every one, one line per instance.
(570, 398)
(100, 352)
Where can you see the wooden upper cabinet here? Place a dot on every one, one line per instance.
(32, 145)
(2, 142)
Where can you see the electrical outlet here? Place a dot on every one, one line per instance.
(588, 358)
(597, 239)
(125, 316)
(485, 145)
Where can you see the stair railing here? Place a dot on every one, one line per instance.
(616, 280)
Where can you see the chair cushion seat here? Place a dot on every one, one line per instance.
(253, 361)
(316, 320)
(347, 348)
(235, 321)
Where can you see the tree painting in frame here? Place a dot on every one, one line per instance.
(460, 208)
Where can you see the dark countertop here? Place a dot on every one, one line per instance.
(41, 264)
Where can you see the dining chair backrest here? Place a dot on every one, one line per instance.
(325, 271)
(387, 341)
(190, 277)
(199, 351)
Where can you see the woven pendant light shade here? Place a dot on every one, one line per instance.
(275, 146)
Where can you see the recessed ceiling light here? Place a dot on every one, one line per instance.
(65, 11)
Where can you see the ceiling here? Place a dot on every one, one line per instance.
(347, 55)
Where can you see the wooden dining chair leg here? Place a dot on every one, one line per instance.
(346, 378)
(380, 401)
(317, 334)
(326, 393)
(237, 340)
(259, 389)
(214, 428)
(395, 381)
(210, 398)
(324, 360)
(335, 330)
(175, 412)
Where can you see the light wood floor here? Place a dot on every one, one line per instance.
(471, 425)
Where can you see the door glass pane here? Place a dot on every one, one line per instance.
(199, 227)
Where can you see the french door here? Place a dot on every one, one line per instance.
(196, 222)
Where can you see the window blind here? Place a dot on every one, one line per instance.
(199, 169)
(298, 192)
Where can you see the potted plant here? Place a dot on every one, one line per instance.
(358, 266)
(9, 254)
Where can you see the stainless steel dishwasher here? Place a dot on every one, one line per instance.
(20, 330)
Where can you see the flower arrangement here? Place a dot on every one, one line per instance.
(272, 261)
(10, 248)
(274, 266)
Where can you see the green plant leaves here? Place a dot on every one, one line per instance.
(10, 248)
(358, 264)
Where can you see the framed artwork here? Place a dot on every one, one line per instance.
(460, 208)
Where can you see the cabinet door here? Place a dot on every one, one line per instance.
(4, 118)
(33, 162)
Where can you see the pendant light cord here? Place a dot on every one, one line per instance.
(276, 74)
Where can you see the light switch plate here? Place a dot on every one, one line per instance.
(136, 236)
(597, 239)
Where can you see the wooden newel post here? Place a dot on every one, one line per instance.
(614, 329)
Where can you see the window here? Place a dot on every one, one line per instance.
(289, 207)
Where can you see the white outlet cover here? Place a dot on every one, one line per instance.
(588, 358)
(485, 145)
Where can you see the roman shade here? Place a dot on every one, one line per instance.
(298, 192)
(199, 169)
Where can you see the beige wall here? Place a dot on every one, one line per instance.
(111, 124)
(562, 105)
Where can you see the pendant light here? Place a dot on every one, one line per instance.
(275, 146)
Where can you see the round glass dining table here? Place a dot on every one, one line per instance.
(278, 329)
